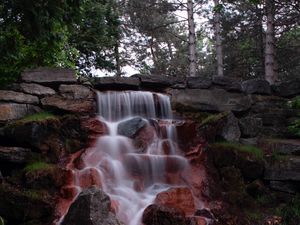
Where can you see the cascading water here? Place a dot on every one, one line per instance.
(132, 176)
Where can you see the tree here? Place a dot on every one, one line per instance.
(192, 38)
(219, 52)
(270, 75)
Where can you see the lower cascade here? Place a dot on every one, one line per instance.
(137, 157)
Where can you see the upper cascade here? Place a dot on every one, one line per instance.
(114, 106)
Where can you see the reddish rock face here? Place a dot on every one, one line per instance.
(95, 128)
(144, 137)
(179, 198)
(88, 178)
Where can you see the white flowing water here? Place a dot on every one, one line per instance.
(133, 178)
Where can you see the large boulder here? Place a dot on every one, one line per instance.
(49, 75)
(60, 103)
(36, 89)
(92, 207)
(216, 100)
(162, 215)
(231, 131)
(250, 126)
(198, 83)
(154, 82)
(256, 87)
(282, 170)
(116, 83)
(288, 88)
(13, 111)
(76, 91)
(281, 146)
(228, 83)
(178, 198)
(131, 127)
(18, 97)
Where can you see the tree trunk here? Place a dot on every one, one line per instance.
(219, 51)
(192, 38)
(117, 56)
(270, 75)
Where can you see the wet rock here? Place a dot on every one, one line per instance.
(14, 155)
(76, 91)
(229, 84)
(281, 146)
(18, 205)
(13, 111)
(231, 131)
(256, 87)
(144, 137)
(198, 83)
(18, 97)
(60, 103)
(288, 88)
(282, 170)
(116, 83)
(92, 207)
(215, 100)
(205, 213)
(130, 128)
(250, 126)
(162, 215)
(178, 198)
(49, 75)
(36, 89)
(94, 128)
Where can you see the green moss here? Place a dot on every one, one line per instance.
(37, 166)
(257, 152)
(213, 118)
(33, 194)
(291, 212)
(38, 117)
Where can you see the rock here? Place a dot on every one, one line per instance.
(76, 91)
(231, 131)
(281, 146)
(16, 155)
(288, 88)
(162, 215)
(18, 205)
(249, 141)
(256, 87)
(36, 89)
(144, 137)
(286, 186)
(250, 126)
(228, 83)
(92, 207)
(116, 83)
(94, 128)
(216, 100)
(178, 198)
(283, 170)
(178, 83)
(263, 103)
(13, 111)
(49, 75)
(154, 82)
(198, 83)
(69, 105)
(18, 97)
(1, 177)
(130, 128)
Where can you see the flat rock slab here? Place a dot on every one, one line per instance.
(199, 83)
(49, 75)
(283, 170)
(281, 146)
(116, 83)
(13, 111)
(36, 89)
(287, 89)
(19, 97)
(70, 105)
(154, 82)
(76, 91)
(215, 100)
(256, 87)
(14, 154)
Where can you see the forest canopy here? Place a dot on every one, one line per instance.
(243, 39)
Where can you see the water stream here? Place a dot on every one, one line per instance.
(132, 176)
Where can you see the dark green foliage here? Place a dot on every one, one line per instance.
(291, 212)
(294, 127)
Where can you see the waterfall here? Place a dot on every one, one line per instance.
(132, 175)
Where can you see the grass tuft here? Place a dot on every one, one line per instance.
(38, 117)
(37, 166)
